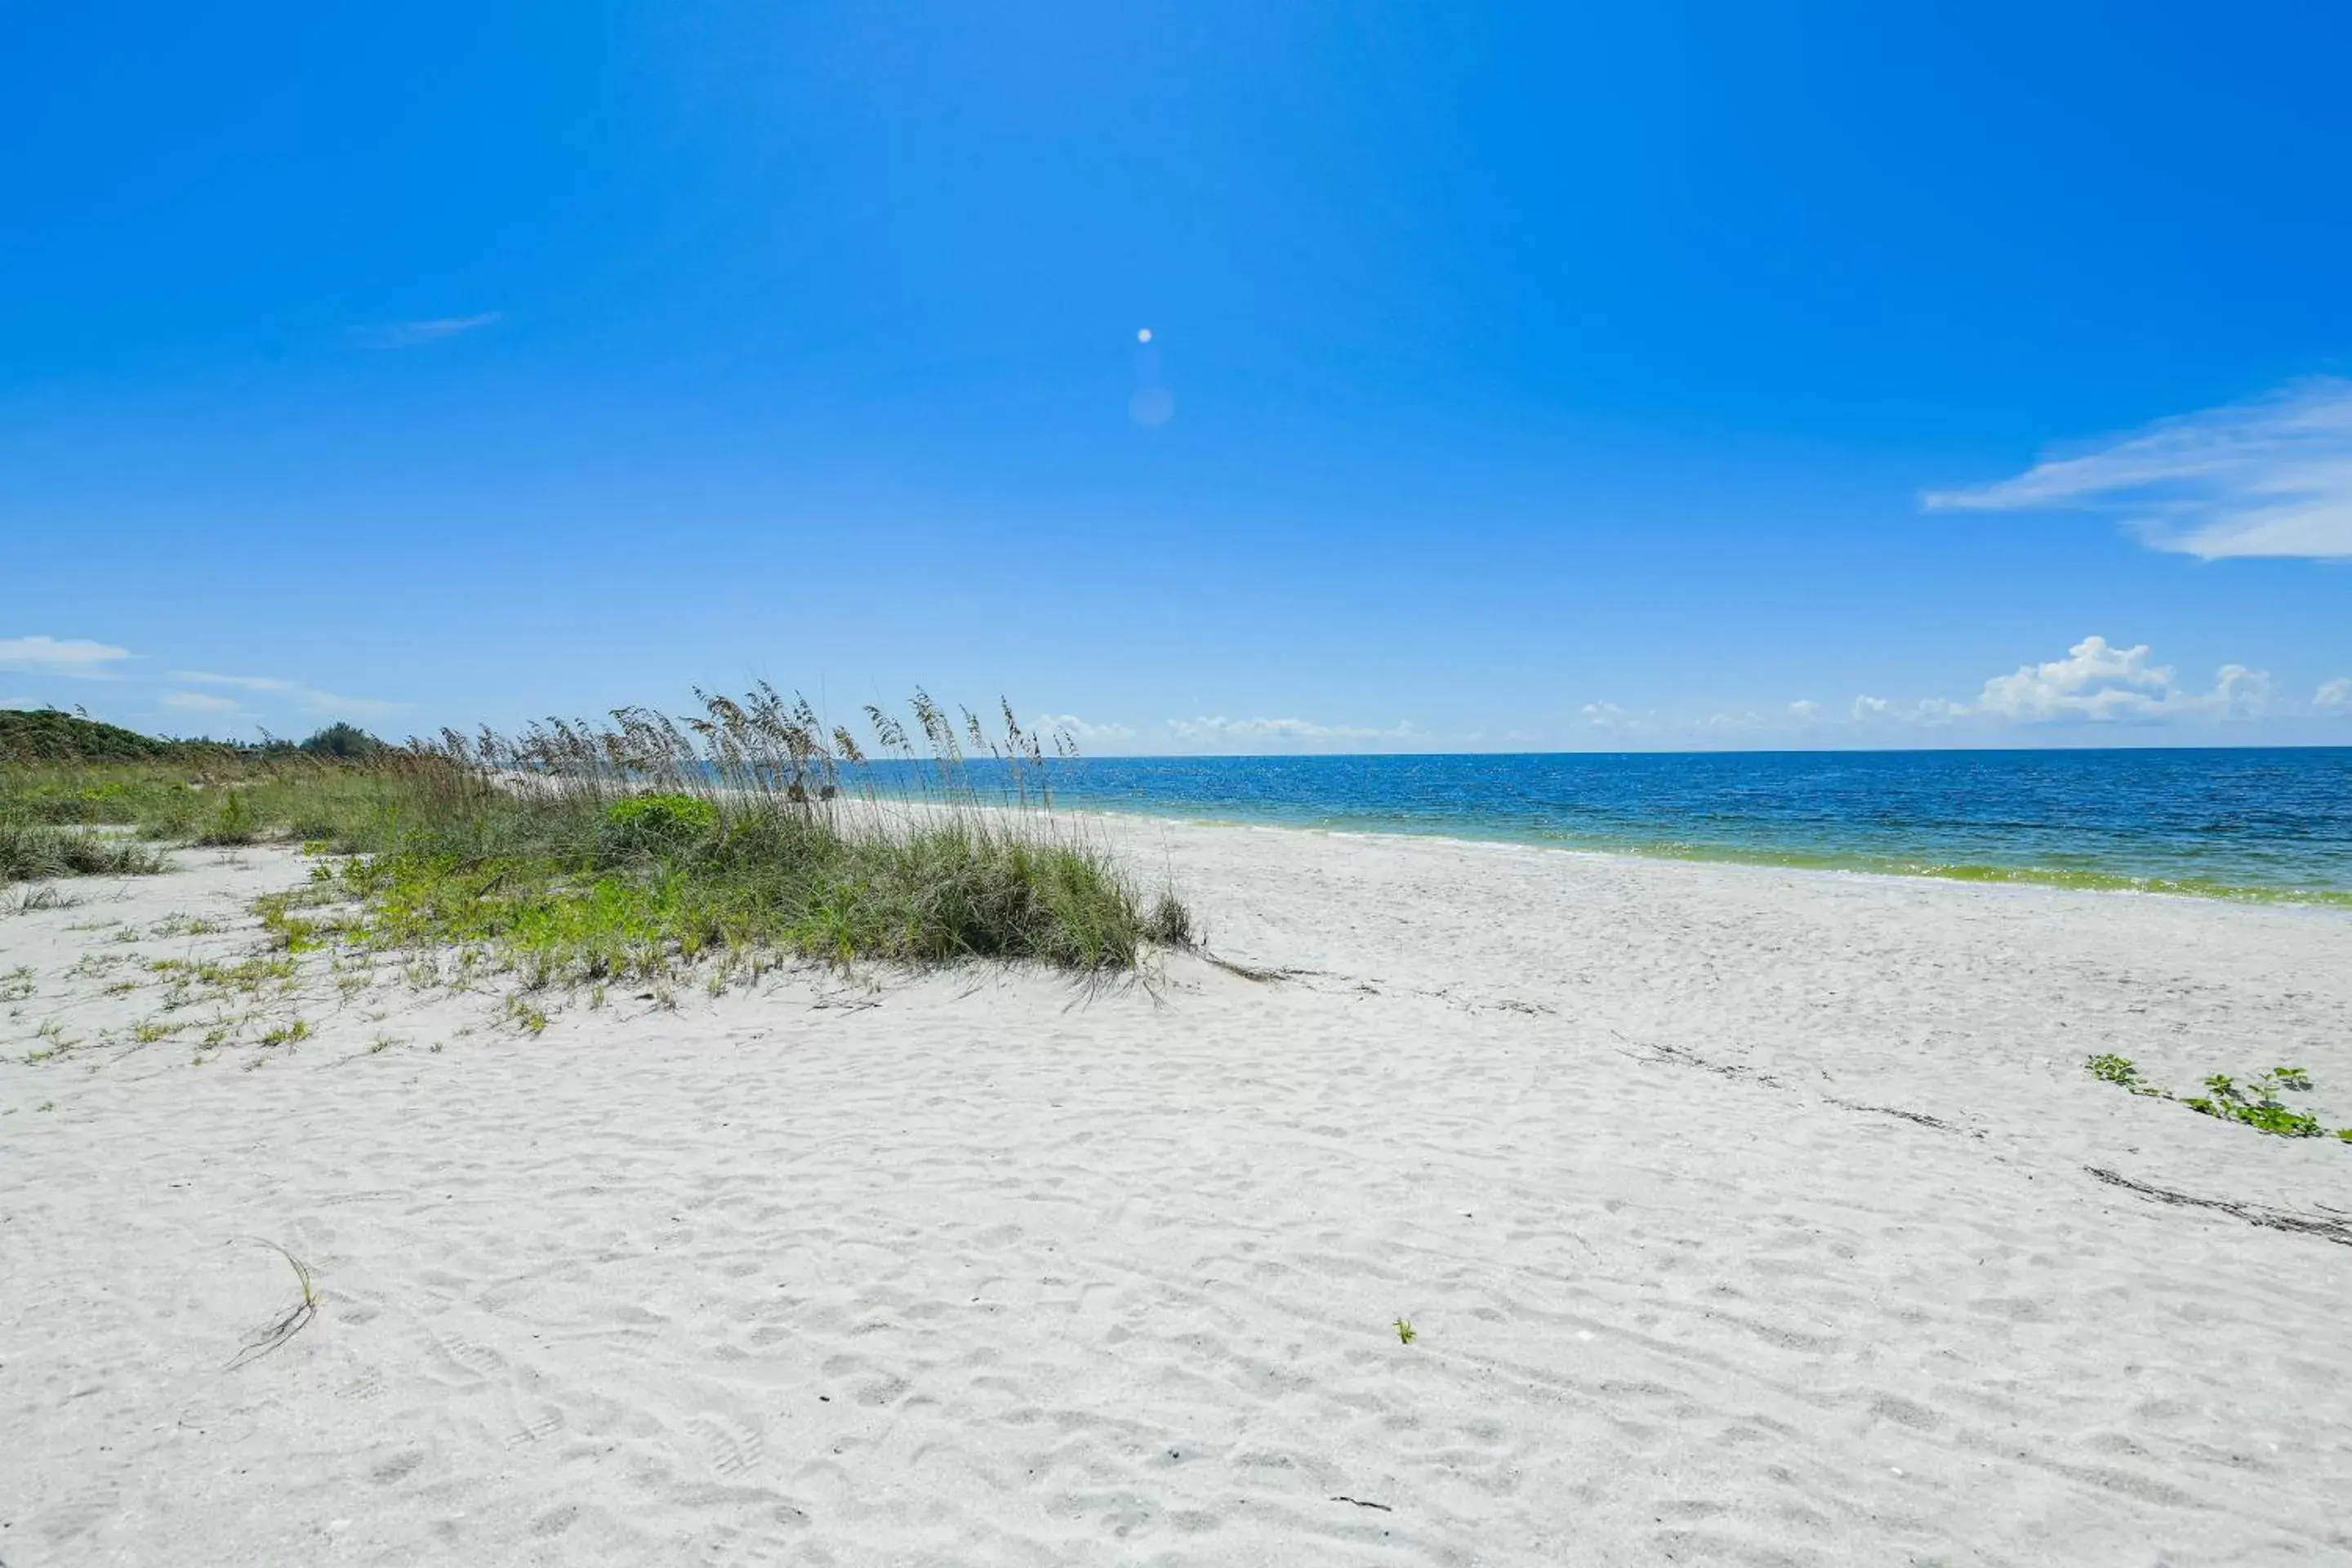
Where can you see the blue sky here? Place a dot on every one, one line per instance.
(1519, 376)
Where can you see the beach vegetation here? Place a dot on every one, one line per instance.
(33, 852)
(583, 852)
(233, 823)
(1405, 1332)
(348, 741)
(2255, 1104)
(293, 1319)
(51, 734)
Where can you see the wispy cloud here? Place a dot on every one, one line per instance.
(1250, 732)
(2333, 697)
(199, 703)
(410, 335)
(2272, 477)
(1077, 729)
(68, 656)
(308, 696)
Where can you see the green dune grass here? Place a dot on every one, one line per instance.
(580, 850)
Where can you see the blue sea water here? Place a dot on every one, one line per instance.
(2263, 822)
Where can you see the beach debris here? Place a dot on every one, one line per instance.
(1360, 1503)
(287, 1325)
(2329, 1229)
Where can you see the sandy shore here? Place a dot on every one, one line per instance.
(1743, 1217)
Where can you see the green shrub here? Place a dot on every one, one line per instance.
(348, 741)
(657, 823)
(232, 824)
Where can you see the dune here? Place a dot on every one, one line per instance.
(1737, 1215)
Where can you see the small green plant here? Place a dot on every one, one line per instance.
(33, 901)
(1169, 923)
(59, 1043)
(525, 1017)
(2109, 1067)
(287, 1034)
(18, 984)
(2256, 1105)
(232, 824)
(1405, 1332)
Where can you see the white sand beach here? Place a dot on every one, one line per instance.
(1741, 1215)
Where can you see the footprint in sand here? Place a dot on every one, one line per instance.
(537, 1431)
(730, 1448)
(556, 1521)
(398, 1467)
(472, 1361)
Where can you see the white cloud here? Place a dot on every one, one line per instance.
(1077, 729)
(2096, 680)
(2333, 697)
(2242, 693)
(70, 656)
(2272, 476)
(2097, 683)
(199, 703)
(409, 334)
(2100, 683)
(1292, 730)
(1731, 724)
(309, 697)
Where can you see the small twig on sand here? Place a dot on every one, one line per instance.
(1251, 971)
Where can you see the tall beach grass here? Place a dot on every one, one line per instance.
(587, 849)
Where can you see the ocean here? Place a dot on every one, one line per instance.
(2266, 824)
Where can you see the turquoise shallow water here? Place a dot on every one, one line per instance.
(2253, 823)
